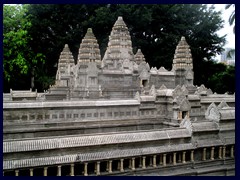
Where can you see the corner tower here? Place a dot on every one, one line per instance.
(65, 67)
(182, 64)
(119, 46)
(89, 62)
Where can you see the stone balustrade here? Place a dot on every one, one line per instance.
(133, 163)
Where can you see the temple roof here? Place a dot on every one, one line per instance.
(89, 48)
(227, 113)
(182, 57)
(85, 157)
(209, 143)
(120, 44)
(93, 140)
(37, 104)
(204, 126)
(66, 56)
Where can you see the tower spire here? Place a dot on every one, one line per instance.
(119, 45)
(182, 57)
(182, 64)
(65, 67)
(89, 48)
(66, 56)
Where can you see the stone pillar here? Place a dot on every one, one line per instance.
(121, 166)
(179, 158)
(45, 171)
(98, 168)
(85, 169)
(232, 152)
(184, 157)
(174, 159)
(161, 159)
(154, 161)
(150, 163)
(224, 152)
(110, 166)
(72, 170)
(133, 163)
(204, 154)
(192, 155)
(16, 172)
(220, 152)
(164, 160)
(130, 164)
(59, 171)
(212, 153)
(31, 171)
(144, 162)
(140, 162)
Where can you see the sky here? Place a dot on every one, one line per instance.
(227, 28)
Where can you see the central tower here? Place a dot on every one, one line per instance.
(119, 46)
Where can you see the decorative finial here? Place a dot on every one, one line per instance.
(89, 30)
(183, 38)
(120, 18)
(66, 46)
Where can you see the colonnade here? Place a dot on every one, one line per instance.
(221, 153)
(143, 162)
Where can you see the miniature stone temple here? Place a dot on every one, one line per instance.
(119, 116)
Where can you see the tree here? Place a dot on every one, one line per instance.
(231, 53)
(231, 19)
(19, 59)
(156, 29)
(53, 26)
(223, 81)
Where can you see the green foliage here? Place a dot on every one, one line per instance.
(18, 55)
(44, 81)
(231, 19)
(223, 81)
(155, 29)
(231, 53)
(15, 38)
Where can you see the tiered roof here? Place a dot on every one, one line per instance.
(65, 60)
(89, 49)
(182, 57)
(66, 55)
(120, 44)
